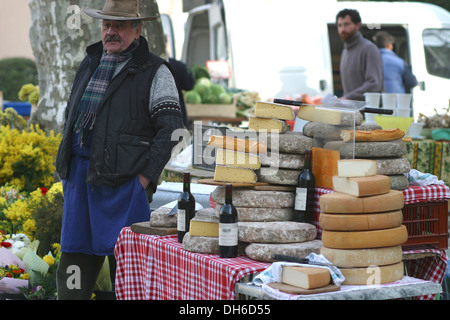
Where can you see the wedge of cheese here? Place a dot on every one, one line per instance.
(305, 277)
(362, 186)
(338, 202)
(349, 258)
(360, 222)
(365, 239)
(205, 223)
(306, 112)
(337, 116)
(267, 125)
(236, 144)
(273, 111)
(232, 174)
(372, 275)
(356, 168)
(237, 159)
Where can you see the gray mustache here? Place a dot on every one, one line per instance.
(113, 38)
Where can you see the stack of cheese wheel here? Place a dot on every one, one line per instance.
(265, 224)
(284, 162)
(362, 224)
(236, 159)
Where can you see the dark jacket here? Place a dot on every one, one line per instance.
(128, 138)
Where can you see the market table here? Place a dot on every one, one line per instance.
(153, 267)
(158, 268)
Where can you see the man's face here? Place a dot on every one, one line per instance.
(118, 35)
(346, 28)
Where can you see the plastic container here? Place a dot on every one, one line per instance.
(372, 99)
(389, 100)
(404, 100)
(415, 129)
(387, 122)
(403, 112)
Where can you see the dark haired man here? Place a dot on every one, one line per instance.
(361, 66)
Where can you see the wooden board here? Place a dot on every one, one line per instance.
(235, 184)
(296, 290)
(145, 228)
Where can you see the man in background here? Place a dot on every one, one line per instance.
(398, 77)
(361, 66)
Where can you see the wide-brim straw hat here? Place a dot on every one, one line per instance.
(118, 10)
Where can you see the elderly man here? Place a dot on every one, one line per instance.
(122, 111)
(361, 67)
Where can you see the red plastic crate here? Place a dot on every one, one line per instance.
(427, 224)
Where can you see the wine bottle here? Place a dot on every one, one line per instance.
(228, 226)
(186, 208)
(305, 191)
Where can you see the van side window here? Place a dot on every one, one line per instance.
(436, 44)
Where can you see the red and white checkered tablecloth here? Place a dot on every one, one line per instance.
(158, 268)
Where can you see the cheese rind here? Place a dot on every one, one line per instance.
(256, 198)
(324, 166)
(338, 202)
(267, 125)
(276, 232)
(305, 277)
(273, 111)
(365, 239)
(373, 274)
(362, 186)
(357, 168)
(360, 222)
(351, 258)
(232, 174)
(237, 159)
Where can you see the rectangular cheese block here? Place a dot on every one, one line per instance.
(305, 277)
(338, 202)
(268, 125)
(236, 144)
(324, 166)
(362, 186)
(204, 228)
(273, 111)
(357, 168)
(233, 174)
(237, 159)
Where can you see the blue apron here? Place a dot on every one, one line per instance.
(94, 215)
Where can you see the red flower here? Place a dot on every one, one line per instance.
(5, 244)
(44, 191)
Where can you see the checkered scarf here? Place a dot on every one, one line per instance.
(96, 88)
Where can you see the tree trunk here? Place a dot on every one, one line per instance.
(59, 34)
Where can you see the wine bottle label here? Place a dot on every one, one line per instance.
(300, 198)
(228, 234)
(181, 222)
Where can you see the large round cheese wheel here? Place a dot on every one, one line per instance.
(365, 239)
(360, 222)
(372, 275)
(362, 257)
(338, 202)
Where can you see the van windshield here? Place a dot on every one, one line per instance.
(437, 51)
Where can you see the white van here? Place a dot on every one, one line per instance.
(283, 48)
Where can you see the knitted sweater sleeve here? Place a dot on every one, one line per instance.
(166, 117)
(373, 73)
